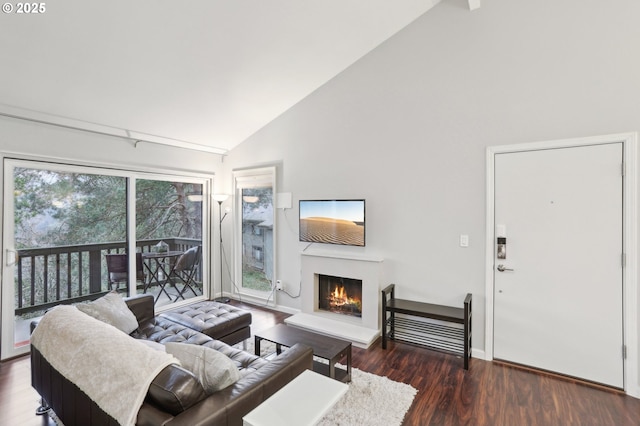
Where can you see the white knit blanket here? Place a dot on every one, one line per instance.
(113, 369)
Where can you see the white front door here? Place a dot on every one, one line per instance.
(558, 294)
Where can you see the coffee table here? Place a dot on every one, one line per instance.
(302, 401)
(325, 347)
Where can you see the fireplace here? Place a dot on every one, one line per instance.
(361, 326)
(340, 295)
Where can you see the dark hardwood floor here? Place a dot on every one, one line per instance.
(487, 394)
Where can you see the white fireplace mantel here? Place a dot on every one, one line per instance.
(343, 255)
(361, 331)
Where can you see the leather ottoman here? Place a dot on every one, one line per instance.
(217, 320)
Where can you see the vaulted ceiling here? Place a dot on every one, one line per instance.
(205, 72)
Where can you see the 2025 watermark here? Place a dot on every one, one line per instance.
(24, 8)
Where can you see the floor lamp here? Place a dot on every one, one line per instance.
(220, 198)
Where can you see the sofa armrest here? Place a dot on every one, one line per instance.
(151, 416)
(142, 307)
(34, 323)
(229, 405)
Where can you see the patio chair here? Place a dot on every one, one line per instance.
(117, 265)
(186, 270)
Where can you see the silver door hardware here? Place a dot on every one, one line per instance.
(502, 268)
(502, 248)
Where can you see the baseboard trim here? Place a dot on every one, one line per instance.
(478, 353)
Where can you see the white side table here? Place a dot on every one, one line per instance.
(303, 401)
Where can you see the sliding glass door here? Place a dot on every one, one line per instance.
(169, 236)
(68, 238)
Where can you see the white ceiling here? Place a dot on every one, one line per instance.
(208, 72)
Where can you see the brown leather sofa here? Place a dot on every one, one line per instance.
(175, 396)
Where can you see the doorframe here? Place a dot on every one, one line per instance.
(630, 241)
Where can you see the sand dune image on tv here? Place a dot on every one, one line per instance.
(331, 231)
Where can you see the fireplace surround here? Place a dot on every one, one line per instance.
(361, 329)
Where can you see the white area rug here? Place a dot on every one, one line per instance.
(370, 401)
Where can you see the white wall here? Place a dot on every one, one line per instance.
(47, 141)
(407, 127)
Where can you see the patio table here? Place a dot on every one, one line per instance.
(160, 270)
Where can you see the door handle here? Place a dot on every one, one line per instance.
(502, 268)
(11, 257)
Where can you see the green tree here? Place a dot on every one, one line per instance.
(56, 208)
(163, 210)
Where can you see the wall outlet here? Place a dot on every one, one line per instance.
(278, 285)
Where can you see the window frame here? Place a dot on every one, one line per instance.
(243, 179)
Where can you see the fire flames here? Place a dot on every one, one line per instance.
(339, 297)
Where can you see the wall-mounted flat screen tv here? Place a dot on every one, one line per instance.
(333, 222)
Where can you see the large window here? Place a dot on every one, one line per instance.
(255, 264)
(74, 233)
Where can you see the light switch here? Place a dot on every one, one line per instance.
(464, 240)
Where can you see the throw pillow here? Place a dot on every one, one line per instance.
(113, 310)
(213, 369)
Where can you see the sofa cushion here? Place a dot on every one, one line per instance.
(174, 390)
(162, 330)
(214, 370)
(246, 362)
(113, 310)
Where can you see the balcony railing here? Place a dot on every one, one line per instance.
(46, 277)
